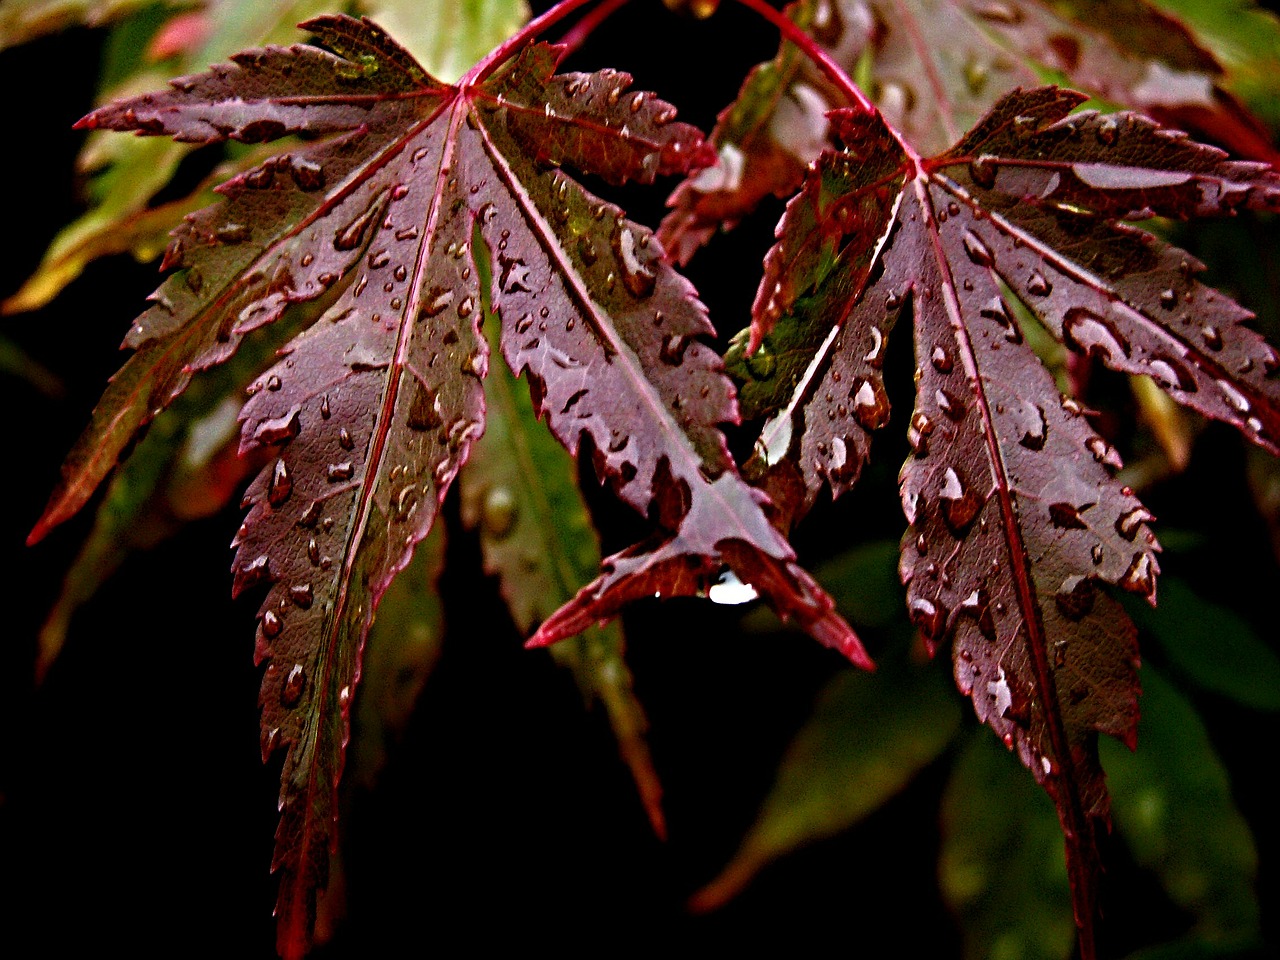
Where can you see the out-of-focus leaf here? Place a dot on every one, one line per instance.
(520, 490)
(448, 36)
(1172, 803)
(1170, 424)
(868, 736)
(16, 362)
(864, 582)
(1001, 867)
(1245, 39)
(131, 172)
(1212, 645)
(23, 20)
(402, 648)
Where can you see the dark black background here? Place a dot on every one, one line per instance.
(135, 810)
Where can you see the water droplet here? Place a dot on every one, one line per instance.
(1171, 374)
(1038, 284)
(1066, 516)
(1075, 597)
(998, 311)
(476, 364)
(232, 233)
(1103, 452)
(344, 439)
(1035, 433)
(1128, 523)
(977, 249)
(941, 360)
(952, 407)
(379, 259)
(997, 12)
(294, 684)
(762, 364)
(874, 356)
(424, 409)
(959, 505)
(929, 617)
(1097, 553)
(1140, 578)
(1169, 298)
(1091, 334)
(638, 276)
(587, 250)
(1107, 131)
(1238, 401)
(271, 624)
(1212, 337)
(465, 307)
(278, 429)
(307, 174)
(498, 512)
(351, 236)
(983, 171)
(1060, 653)
(870, 404)
(313, 552)
(673, 349)
(281, 485)
(310, 516)
(273, 383)
(254, 572)
(918, 434)
(337, 472)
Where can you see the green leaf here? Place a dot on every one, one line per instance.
(448, 36)
(400, 652)
(1212, 645)
(1171, 801)
(1246, 41)
(868, 736)
(1002, 867)
(520, 490)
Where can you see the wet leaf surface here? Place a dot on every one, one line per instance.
(1016, 519)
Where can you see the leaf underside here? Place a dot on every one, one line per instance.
(1016, 519)
(369, 413)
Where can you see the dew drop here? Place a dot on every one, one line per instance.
(1091, 335)
(976, 248)
(1038, 284)
(959, 505)
(254, 572)
(1097, 553)
(951, 407)
(1171, 374)
(294, 684)
(1238, 401)
(301, 595)
(870, 404)
(1066, 516)
(1075, 597)
(941, 360)
(344, 439)
(278, 429)
(1107, 131)
(273, 383)
(929, 617)
(1168, 298)
(424, 409)
(983, 171)
(1140, 578)
(1036, 433)
(271, 624)
(465, 307)
(1128, 523)
(281, 485)
(638, 276)
(673, 349)
(1212, 337)
(337, 472)
(762, 364)
(918, 434)
(998, 311)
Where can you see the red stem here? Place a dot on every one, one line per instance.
(533, 28)
(577, 35)
(834, 72)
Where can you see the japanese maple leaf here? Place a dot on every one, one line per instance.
(936, 66)
(1016, 518)
(371, 411)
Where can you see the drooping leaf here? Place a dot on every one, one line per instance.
(520, 490)
(370, 412)
(1174, 810)
(934, 68)
(1015, 518)
(1001, 866)
(867, 737)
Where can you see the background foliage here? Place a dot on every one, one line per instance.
(502, 800)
